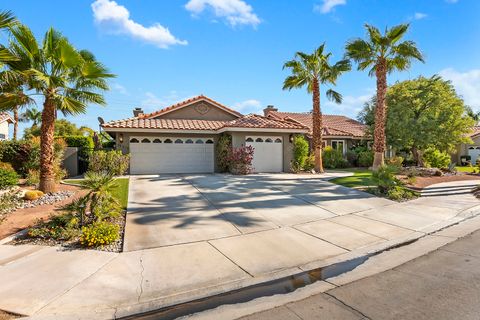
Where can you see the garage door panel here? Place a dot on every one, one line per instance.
(152, 158)
(268, 153)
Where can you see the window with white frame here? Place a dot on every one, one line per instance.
(338, 145)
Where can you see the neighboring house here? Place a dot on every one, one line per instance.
(339, 132)
(181, 138)
(5, 120)
(472, 150)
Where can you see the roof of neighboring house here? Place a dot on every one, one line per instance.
(333, 125)
(4, 116)
(475, 131)
(188, 102)
(252, 121)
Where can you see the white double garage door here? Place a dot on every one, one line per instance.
(153, 155)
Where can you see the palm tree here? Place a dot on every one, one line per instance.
(382, 54)
(67, 80)
(311, 70)
(32, 114)
(7, 19)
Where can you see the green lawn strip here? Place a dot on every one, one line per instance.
(466, 169)
(361, 178)
(120, 193)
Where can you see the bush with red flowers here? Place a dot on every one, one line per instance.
(240, 160)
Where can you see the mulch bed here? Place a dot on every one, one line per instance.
(422, 182)
(21, 219)
(73, 243)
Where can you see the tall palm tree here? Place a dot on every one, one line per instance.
(32, 114)
(67, 79)
(382, 54)
(313, 70)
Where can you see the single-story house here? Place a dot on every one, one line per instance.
(339, 132)
(181, 138)
(467, 149)
(5, 120)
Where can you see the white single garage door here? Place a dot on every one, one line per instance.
(474, 152)
(151, 155)
(268, 153)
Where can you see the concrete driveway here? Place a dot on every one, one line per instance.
(171, 210)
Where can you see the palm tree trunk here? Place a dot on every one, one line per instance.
(47, 175)
(317, 127)
(15, 125)
(380, 115)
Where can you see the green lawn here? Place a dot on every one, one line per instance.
(466, 169)
(121, 193)
(360, 178)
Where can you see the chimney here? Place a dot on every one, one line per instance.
(268, 109)
(137, 111)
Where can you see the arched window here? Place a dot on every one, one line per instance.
(157, 141)
(259, 140)
(268, 140)
(134, 140)
(145, 140)
(209, 141)
(278, 140)
(471, 148)
(199, 141)
(179, 141)
(249, 139)
(167, 141)
(189, 141)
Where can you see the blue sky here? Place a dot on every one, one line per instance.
(233, 50)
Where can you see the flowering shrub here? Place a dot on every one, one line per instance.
(99, 234)
(240, 160)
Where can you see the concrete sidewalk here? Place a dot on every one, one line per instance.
(83, 284)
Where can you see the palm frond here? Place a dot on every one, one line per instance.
(7, 19)
(408, 50)
(374, 34)
(334, 96)
(396, 33)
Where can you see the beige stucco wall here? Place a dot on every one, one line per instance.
(238, 140)
(4, 129)
(190, 112)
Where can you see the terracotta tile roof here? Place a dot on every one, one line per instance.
(333, 125)
(257, 121)
(475, 131)
(4, 116)
(187, 102)
(249, 121)
(168, 124)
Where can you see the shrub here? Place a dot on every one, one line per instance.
(309, 163)
(222, 150)
(61, 227)
(385, 178)
(99, 234)
(9, 201)
(352, 158)
(240, 160)
(436, 159)
(8, 178)
(399, 193)
(396, 161)
(79, 141)
(333, 159)
(32, 178)
(112, 162)
(300, 153)
(6, 166)
(32, 195)
(365, 159)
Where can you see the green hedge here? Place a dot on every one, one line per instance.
(79, 141)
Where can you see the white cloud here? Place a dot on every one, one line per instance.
(119, 88)
(248, 106)
(467, 85)
(351, 105)
(116, 17)
(236, 12)
(328, 5)
(419, 16)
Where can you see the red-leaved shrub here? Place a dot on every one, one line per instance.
(240, 160)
